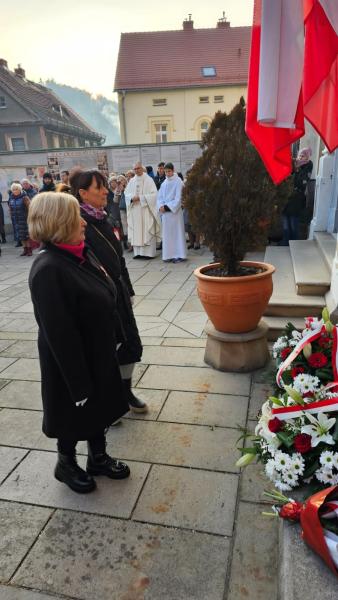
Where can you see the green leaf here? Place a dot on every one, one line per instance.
(335, 432)
(286, 439)
(311, 469)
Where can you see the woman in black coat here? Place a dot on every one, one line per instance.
(90, 188)
(74, 303)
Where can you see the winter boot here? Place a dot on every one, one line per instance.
(135, 404)
(68, 471)
(100, 463)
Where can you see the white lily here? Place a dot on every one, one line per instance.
(262, 427)
(319, 429)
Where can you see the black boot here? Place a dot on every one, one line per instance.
(3, 239)
(18, 244)
(135, 404)
(68, 471)
(100, 463)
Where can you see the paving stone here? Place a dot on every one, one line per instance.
(164, 291)
(124, 561)
(21, 394)
(114, 498)
(152, 341)
(24, 324)
(25, 308)
(170, 356)
(151, 329)
(255, 556)
(172, 496)
(154, 399)
(22, 428)
(185, 342)
(19, 526)
(22, 335)
(259, 394)
(205, 409)
(193, 304)
(4, 344)
(176, 332)
(15, 593)
(175, 444)
(22, 349)
(193, 322)
(195, 379)
(4, 363)
(151, 278)
(138, 372)
(150, 307)
(171, 310)
(27, 369)
(9, 458)
(253, 483)
(142, 290)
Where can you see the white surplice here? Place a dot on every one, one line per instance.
(142, 216)
(173, 234)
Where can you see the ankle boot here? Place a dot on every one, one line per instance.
(3, 239)
(68, 471)
(100, 463)
(135, 404)
(24, 252)
(29, 252)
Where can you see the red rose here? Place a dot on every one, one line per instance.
(302, 443)
(317, 360)
(324, 341)
(296, 371)
(275, 425)
(308, 395)
(285, 352)
(291, 510)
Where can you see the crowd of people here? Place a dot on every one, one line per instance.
(82, 296)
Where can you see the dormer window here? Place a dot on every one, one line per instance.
(3, 102)
(209, 71)
(57, 108)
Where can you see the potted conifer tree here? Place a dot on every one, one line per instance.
(230, 198)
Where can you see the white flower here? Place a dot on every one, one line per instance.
(326, 459)
(297, 464)
(335, 460)
(325, 476)
(319, 429)
(270, 469)
(304, 383)
(290, 478)
(310, 324)
(280, 344)
(262, 427)
(296, 335)
(283, 487)
(282, 461)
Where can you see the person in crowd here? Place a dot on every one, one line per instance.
(169, 204)
(90, 189)
(142, 214)
(113, 208)
(160, 176)
(150, 171)
(63, 187)
(296, 203)
(65, 177)
(28, 188)
(48, 184)
(82, 390)
(2, 222)
(121, 186)
(129, 175)
(18, 203)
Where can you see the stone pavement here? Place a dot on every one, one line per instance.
(186, 525)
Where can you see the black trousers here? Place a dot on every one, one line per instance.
(97, 444)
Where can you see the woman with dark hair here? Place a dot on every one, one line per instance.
(90, 189)
(75, 308)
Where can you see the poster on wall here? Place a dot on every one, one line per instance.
(189, 153)
(150, 156)
(125, 158)
(86, 159)
(53, 166)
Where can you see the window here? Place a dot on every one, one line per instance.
(204, 99)
(18, 144)
(159, 102)
(204, 126)
(209, 71)
(3, 102)
(161, 133)
(218, 99)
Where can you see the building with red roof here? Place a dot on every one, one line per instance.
(171, 83)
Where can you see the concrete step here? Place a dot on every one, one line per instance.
(311, 272)
(285, 302)
(302, 573)
(327, 245)
(277, 325)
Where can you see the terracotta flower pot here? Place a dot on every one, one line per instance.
(235, 304)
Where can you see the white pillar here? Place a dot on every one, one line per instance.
(325, 204)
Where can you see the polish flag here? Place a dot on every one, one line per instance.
(320, 82)
(275, 108)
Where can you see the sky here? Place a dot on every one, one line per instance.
(77, 42)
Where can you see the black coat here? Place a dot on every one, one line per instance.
(107, 249)
(75, 308)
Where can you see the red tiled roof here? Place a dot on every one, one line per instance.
(171, 59)
(39, 100)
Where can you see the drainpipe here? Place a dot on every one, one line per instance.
(124, 126)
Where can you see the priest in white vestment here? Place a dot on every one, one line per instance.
(142, 215)
(169, 204)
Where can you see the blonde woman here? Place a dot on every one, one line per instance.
(75, 307)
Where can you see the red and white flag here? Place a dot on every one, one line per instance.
(274, 107)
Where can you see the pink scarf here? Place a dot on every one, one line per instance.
(76, 249)
(97, 213)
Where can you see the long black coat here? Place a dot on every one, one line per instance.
(106, 247)
(75, 308)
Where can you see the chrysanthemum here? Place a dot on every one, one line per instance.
(326, 459)
(282, 461)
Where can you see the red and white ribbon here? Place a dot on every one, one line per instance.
(297, 410)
